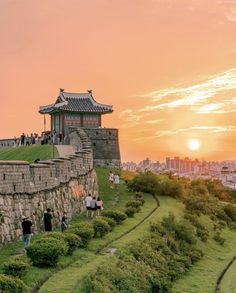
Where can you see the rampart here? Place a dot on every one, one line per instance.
(104, 142)
(29, 189)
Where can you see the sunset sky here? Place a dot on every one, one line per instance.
(167, 66)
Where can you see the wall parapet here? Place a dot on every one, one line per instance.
(24, 178)
(29, 189)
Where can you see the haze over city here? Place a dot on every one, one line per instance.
(167, 66)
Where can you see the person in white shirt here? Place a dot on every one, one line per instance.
(111, 179)
(87, 200)
(116, 180)
(99, 204)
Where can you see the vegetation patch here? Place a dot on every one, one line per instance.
(152, 263)
(46, 251)
(16, 268)
(11, 285)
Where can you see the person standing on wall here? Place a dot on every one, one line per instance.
(47, 219)
(26, 229)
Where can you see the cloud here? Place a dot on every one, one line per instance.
(231, 16)
(209, 129)
(216, 108)
(197, 94)
(157, 121)
(130, 116)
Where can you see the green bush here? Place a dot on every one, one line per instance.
(85, 231)
(230, 211)
(73, 241)
(141, 200)
(201, 231)
(101, 227)
(46, 251)
(218, 238)
(130, 211)
(138, 195)
(115, 215)
(134, 204)
(15, 268)
(11, 285)
(109, 221)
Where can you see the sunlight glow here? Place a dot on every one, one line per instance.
(194, 144)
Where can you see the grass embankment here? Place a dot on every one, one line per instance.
(29, 153)
(67, 279)
(203, 276)
(228, 284)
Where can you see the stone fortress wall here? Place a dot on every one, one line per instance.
(29, 189)
(104, 141)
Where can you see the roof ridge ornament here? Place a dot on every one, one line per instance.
(61, 90)
(90, 91)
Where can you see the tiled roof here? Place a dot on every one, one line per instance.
(76, 102)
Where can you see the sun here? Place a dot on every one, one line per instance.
(194, 144)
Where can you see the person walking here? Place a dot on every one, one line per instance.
(47, 219)
(111, 179)
(93, 206)
(64, 223)
(87, 200)
(26, 231)
(99, 205)
(116, 180)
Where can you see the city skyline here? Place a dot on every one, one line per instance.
(167, 66)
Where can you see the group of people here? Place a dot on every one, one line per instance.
(114, 180)
(47, 222)
(26, 140)
(93, 206)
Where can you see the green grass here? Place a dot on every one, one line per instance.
(69, 279)
(71, 270)
(28, 153)
(203, 275)
(228, 284)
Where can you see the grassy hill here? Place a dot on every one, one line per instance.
(69, 275)
(28, 153)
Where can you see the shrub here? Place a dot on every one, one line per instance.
(203, 234)
(11, 285)
(46, 251)
(15, 268)
(130, 211)
(145, 182)
(218, 238)
(138, 195)
(111, 222)
(134, 204)
(73, 241)
(230, 211)
(85, 231)
(142, 201)
(101, 227)
(115, 215)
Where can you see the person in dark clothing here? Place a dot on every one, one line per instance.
(47, 219)
(26, 229)
(64, 223)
